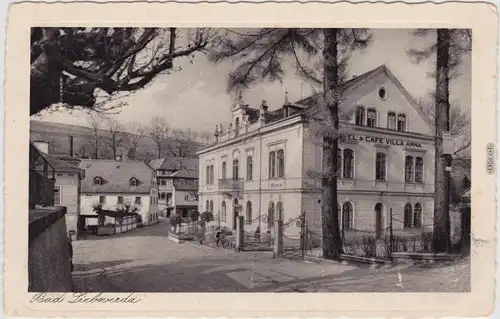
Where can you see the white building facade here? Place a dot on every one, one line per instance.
(267, 162)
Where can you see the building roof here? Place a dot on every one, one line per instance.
(116, 176)
(62, 166)
(185, 173)
(175, 163)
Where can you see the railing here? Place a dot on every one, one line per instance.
(41, 186)
(231, 184)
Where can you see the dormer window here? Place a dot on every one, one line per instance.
(134, 182)
(98, 180)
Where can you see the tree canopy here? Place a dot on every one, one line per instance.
(89, 67)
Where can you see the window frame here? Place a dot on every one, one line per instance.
(59, 191)
(408, 216)
(360, 111)
(405, 128)
(349, 219)
(140, 200)
(409, 168)
(248, 212)
(351, 166)
(419, 214)
(383, 167)
(120, 202)
(421, 170)
(249, 167)
(395, 121)
(223, 214)
(280, 163)
(370, 111)
(236, 169)
(102, 202)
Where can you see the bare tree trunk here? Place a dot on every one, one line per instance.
(332, 245)
(441, 238)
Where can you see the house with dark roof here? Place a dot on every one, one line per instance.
(269, 160)
(67, 185)
(112, 185)
(177, 185)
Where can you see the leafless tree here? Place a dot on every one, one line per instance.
(96, 122)
(158, 133)
(135, 135)
(81, 67)
(115, 137)
(182, 143)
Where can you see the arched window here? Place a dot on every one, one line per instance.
(391, 121)
(279, 211)
(272, 165)
(419, 170)
(223, 170)
(408, 218)
(212, 174)
(249, 168)
(347, 216)
(408, 169)
(360, 115)
(208, 175)
(248, 215)
(270, 214)
(380, 164)
(339, 215)
(379, 219)
(223, 211)
(401, 122)
(417, 215)
(371, 117)
(237, 127)
(281, 164)
(236, 169)
(211, 206)
(348, 163)
(207, 206)
(339, 163)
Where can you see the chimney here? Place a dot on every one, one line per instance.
(71, 152)
(42, 146)
(264, 106)
(216, 134)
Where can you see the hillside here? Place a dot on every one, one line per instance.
(57, 134)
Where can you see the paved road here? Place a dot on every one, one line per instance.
(145, 260)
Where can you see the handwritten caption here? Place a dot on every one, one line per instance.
(84, 298)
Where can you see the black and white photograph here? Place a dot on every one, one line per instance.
(199, 157)
(240, 160)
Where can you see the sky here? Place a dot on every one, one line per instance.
(196, 97)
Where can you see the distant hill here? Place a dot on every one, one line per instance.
(57, 135)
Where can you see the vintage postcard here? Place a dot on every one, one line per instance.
(244, 160)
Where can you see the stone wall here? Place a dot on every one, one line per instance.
(49, 268)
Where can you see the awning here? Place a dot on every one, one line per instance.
(115, 214)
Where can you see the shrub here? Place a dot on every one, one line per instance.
(426, 242)
(369, 246)
(207, 216)
(195, 215)
(175, 220)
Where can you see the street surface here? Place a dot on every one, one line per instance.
(145, 260)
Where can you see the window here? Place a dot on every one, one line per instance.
(169, 182)
(223, 211)
(237, 127)
(163, 182)
(249, 168)
(391, 121)
(408, 218)
(134, 182)
(339, 214)
(382, 93)
(207, 177)
(186, 197)
(339, 163)
(380, 164)
(57, 195)
(347, 216)
(279, 211)
(212, 174)
(236, 168)
(417, 216)
(272, 165)
(163, 196)
(409, 169)
(360, 115)
(223, 170)
(371, 118)
(102, 200)
(98, 181)
(348, 163)
(401, 122)
(169, 198)
(207, 206)
(120, 200)
(248, 215)
(138, 200)
(211, 206)
(270, 214)
(281, 164)
(182, 182)
(419, 170)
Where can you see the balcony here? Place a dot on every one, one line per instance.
(230, 184)
(41, 180)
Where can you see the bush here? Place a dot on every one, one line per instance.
(175, 220)
(207, 217)
(195, 215)
(369, 246)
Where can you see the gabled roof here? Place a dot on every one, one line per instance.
(63, 166)
(116, 176)
(185, 173)
(174, 163)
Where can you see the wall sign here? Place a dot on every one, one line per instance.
(382, 140)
